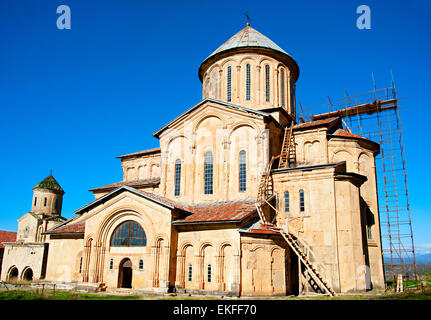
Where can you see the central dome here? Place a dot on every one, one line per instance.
(252, 71)
(249, 38)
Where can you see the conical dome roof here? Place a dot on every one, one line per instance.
(249, 38)
(49, 183)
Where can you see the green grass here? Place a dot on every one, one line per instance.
(32, 294)
(59, 295)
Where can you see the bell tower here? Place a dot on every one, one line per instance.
(47, 197)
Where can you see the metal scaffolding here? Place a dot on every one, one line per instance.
(376, 115)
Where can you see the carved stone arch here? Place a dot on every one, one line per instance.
(161, 236)
(27, 273)
(235, 126)
(366, 154)
(107, 225)
(203, 245)
(265, 60)
(215, 66)
(231, 60)
(184, 246)
(248, 58)
(256, 247)
(282, 66)
(205, 116)
(89, 237)
(274, 248)
(310, 141)
(224, 244)
(12, 272)
(171, 139)
(342, 149)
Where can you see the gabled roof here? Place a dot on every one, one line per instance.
(329, 123)
(168, 203)
(200, 213)
(140, 153)
(49, 183)
(219, 211)
(72, 228)
(343, 133)
(222, 103)
(7, 236)
(133, 183)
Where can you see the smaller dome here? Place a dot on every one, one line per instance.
(49, 183)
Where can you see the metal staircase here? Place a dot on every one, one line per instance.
(266, 189)
(306, 255)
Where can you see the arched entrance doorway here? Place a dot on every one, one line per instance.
(125, 274)
(28, 274)
(13, 273)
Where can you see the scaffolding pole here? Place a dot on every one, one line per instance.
(376, 115)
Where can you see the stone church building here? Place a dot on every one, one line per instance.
(221, 206)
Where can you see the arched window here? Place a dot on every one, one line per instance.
(282, 89)
(208, 173)
(242, 171)
(286, 201)
(247, 82)
(190, 274)
(80, 265)
(177, 177)
(129, 234)
(209, 273)
(35, 201)
(267, 83)
(301, 201)
(229, 84)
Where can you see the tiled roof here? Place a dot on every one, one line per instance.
(219, 211)
(171, 204)
(132, 183)
(329, 122)
(222, 103)
(234, 210)
(344, 133)
(49, 183)
(7, 236)
(73, 228)
(140, 153)
(262, 229)
(248, 37)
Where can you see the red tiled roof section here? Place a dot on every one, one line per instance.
(7, 236)
(262, 229)
(133, 183)
(78, 227)
(140, 153)
(172, 203)
(344, 133)
(234, 210)
(324, 122)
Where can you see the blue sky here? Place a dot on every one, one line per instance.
(72, 100)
